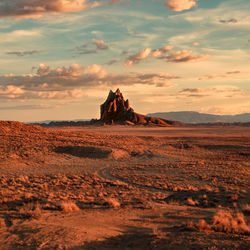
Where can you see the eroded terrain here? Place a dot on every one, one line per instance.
(124, 188)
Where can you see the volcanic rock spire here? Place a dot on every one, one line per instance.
(116, 110)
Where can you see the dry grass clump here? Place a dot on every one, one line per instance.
(32, 211)
(246, 208)
(201, 225)
(224, 221)
(112, 202)
(191, 202)
(2, 223)
(69, 206)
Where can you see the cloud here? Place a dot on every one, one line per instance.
(184, 56)
(23, 9)
(113, 2)
(221, 91)
(124, 3)
(100, 44)
(11, 91)
(113, 61)
(161, 51)
(180, 5)
(136, 58)
(192, 90)
(19, 35)
(223, 75)
(84, 49)
(24, 53)
(29, 107)
(232, 20)
(71, 82)
(127, 51)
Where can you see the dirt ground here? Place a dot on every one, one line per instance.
(120, 187)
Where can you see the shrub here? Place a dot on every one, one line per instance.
(112, 202)
(224, 221)
(69, 206)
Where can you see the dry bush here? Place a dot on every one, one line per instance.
(112, 202)
(28, 195)
(69, 206)
(201, 225)
(32, 211)
(23, 178)
(191, 202)
(117, 154)
(234, 197)
(173, 203)
(2, 223)
(224, 221)
(246, 208)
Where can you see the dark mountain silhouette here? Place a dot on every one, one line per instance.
(196, 117)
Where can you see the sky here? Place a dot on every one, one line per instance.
(60, 58)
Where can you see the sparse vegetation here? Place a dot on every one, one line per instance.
(139, 185)
(69, 206)
(113, 203)
(31, 211)
(223, 221)
(228, 222)
(191, 202)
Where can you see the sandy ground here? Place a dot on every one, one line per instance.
(213, 131)
(118, 187)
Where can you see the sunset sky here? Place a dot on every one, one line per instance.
(60, 58)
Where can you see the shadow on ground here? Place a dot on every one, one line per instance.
(138, 238)
(206, 199)
(84, 151)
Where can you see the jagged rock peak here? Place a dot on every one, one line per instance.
(114, 106)
(115, 110)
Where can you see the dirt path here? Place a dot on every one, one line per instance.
(105, 173)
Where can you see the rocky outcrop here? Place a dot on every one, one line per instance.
(116, 110)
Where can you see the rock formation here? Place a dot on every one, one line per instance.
(115, 110)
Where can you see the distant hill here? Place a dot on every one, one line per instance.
(49, 121)
(196, 117)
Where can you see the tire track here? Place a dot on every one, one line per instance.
(105, 174)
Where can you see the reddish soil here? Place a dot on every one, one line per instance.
(119, 187)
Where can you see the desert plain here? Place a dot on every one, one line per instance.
(124, 187)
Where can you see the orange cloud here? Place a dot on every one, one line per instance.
(229, 74)
(11, 91)
(185, 56)
(161, 51)
(134, 59)
(100, 44)
(178, 56)
(180, 5)
(71, 82)
(23, 9)
(223, 91)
